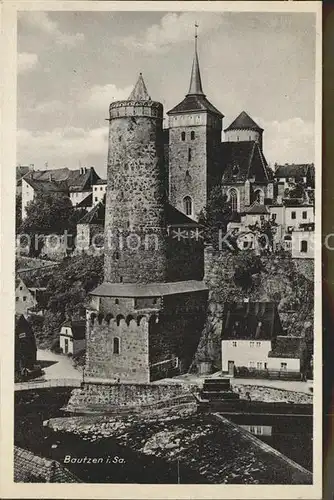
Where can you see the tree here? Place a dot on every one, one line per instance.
(215, 216)
(264, 231)
(50, 213)
(18, 211)
(71, 282)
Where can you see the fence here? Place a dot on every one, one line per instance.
(244, 372)
(45, 384)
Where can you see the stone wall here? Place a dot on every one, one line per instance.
(135, 205)
(170, 329)
(123, 395)
(178, 331)
(305, 267)
(132, 361)
(191, 164)
(185, 257)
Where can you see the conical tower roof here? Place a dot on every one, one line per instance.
(244, 122)
(139, 92)
(195, 100)
(195, 87)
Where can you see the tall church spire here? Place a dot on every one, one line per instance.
(195, 87)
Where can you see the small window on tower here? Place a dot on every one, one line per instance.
(192, 135)
(187, 205)
(189, 154)
(183, 136)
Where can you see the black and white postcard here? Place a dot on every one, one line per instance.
(161, 191)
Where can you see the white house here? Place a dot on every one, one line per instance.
(302, 244)
(72, 337)
(296, 215)
(293, 173)
(77, 184)
(99, 191)
(253, 343)
(28, 297)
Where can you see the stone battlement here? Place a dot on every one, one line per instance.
(123, 109)
(120, 320)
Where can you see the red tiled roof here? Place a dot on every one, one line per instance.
(257, 208)
(250, 320)
(78, 328)
(242, 160)
(287, 347)
(30, 468)
(244, 122)
(292, 170)
(196, 102)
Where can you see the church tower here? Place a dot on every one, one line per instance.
(195, 127)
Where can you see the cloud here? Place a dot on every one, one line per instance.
(41, 21)
(173, 28)
(26, 61)
(53, 106)
(289, 141)
(61, 146)
(100, 96)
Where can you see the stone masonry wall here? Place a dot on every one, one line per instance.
(123, 395)
(191, 165)
(178, 330)
(135, 205)
(185, 256)
(132, 362)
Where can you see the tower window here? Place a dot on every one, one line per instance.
(189, 154)
(234, 200)
(116, 301)
(187, 175)
(192, 135)
(303, 246)
(187, 205)
(183, 136)
(116, 345)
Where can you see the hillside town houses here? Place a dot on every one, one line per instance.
(274, 201)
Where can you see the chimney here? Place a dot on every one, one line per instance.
(31, 167)
(50, 177)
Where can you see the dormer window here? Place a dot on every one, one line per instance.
(235, 170)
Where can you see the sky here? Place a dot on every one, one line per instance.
(72, 65)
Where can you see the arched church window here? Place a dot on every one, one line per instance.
(183, 136)
(192, 135)
(259, 196)
(234, 200)
(116, 345)
(187, 205)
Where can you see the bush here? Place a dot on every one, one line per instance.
(55, 347)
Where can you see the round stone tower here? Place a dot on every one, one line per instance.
(135, 225)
